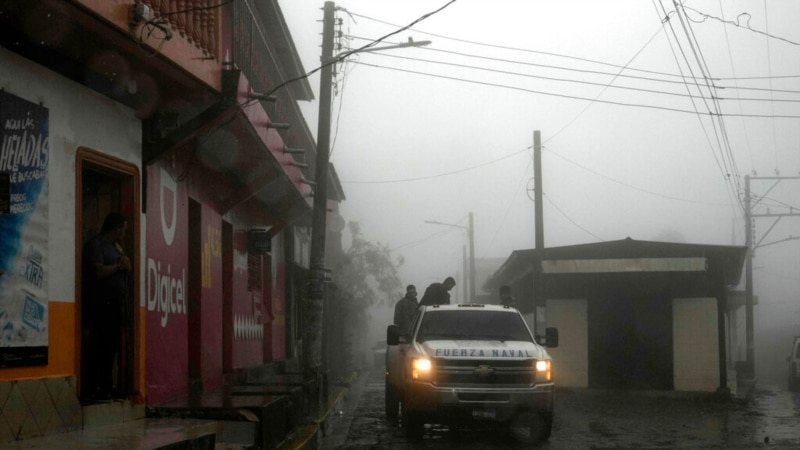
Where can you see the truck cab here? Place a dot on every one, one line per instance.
(462, 363)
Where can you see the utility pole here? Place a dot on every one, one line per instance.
(538, 280)
(315, 362)
(748, 280)
(315, 310)
(471, 259)
(749, 217)
(471, 237)
(466, 292)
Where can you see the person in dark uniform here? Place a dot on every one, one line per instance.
(105, 286)
(405, 309)
(506, 299)
(438, 293)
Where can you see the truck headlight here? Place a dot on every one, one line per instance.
(543, 371)
(421, 368)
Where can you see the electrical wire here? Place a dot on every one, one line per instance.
(636, 188)
(718, 159)
(553, 204)
(430, 177)
(341, 57)
(618, 74)
(575, 97)
(559, 55)
(511, 203)
(736, 83)
(769, 70)
(737, 25)
(590, 83)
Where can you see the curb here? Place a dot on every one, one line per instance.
(308, 436)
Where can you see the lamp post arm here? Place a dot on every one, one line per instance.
(411, 43)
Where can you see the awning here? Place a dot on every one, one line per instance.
(242, 152)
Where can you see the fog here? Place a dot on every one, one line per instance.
(630, 149)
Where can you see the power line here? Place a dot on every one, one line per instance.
(575, 97)
(559, 55)
(618, 74)
(405, 180)
(636, 188)
(591, 83)
(737, 25)
(720, 161)
(363, 47)
(720, 128)
(511, 203)
(570, 218)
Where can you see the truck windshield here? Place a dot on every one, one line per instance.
(472, 325)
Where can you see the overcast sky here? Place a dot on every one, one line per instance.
(620, 99)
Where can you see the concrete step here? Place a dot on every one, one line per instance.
(111, 412)
(140, 434)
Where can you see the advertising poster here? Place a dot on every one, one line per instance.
(24, 255)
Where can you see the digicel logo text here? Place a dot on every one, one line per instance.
(164, 293)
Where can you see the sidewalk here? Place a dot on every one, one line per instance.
(119, 426)
(310, 436)
(140, 434)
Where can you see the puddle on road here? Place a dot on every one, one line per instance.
(780, 410)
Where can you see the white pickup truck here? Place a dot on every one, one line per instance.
(457, 364)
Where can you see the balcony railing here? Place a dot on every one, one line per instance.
(195, 20)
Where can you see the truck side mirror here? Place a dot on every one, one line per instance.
(392, 335)
(551, 337)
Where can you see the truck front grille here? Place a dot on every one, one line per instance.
(494, 372)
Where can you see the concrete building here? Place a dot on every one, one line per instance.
(633, 314)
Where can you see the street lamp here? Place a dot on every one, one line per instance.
(471, 236)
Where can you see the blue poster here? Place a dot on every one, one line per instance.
(24, 158)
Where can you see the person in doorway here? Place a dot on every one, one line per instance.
(438, 293)
(105, 287)
(506, 299)
(405, 308)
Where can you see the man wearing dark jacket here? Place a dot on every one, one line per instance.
(405, 309)
(438, 293)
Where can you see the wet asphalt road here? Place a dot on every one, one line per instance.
(587, 419)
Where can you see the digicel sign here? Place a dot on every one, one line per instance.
(166, 262)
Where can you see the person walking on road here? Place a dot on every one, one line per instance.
(438, 293)
(405, 308)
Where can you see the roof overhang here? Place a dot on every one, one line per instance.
(626, 256)
(235, 141)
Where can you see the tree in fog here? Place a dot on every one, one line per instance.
(365, 275)
(367, 271)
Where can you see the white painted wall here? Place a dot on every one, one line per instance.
(78, 117)
(695, 344)
(571, 357)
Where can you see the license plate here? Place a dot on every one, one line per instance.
(484, 413)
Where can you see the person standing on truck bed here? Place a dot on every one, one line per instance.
(405, 309)
(438, 293)
(506, 299)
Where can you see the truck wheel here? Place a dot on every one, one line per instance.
(532, 428)
(392, 402)
(794, 383)
(412, 425)
(541, 428)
